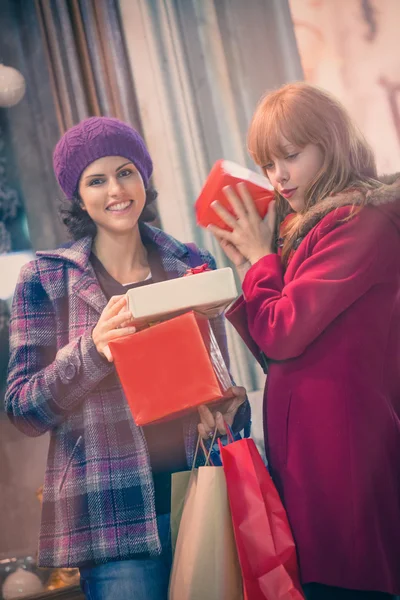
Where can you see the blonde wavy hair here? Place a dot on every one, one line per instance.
(305, 114)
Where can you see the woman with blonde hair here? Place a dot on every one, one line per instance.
(321, 307)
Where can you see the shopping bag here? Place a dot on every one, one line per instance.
(205, 562)
(264, 541)
(179, 486)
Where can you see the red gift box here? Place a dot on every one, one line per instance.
(223, 173)
(170, 368)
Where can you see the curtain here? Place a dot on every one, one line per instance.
(86, 60)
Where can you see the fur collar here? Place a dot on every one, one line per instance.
(385, 194)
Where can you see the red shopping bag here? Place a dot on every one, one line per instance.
(265, 545)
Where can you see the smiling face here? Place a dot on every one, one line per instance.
(292, 172)
(113, 194)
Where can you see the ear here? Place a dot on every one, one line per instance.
(80, 202)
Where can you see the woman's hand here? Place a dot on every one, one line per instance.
(208, 422)
(114, 322)
(251, 237)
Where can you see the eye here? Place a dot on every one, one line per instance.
(125, 173)
(268, 166)
(292, 156)
(95, 181)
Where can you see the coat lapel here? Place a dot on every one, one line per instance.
(173, 254)
(88, 289)
(81, 275)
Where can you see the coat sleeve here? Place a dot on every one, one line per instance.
(346, 260)
(44, 384)
(237, 315)
(243, 415)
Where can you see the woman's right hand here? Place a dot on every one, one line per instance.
(241, 263)
(231, 252)
(114, 322)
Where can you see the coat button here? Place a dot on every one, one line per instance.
(70, 371)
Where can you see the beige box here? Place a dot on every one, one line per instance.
(208, 293)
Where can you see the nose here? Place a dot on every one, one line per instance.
(114, 186)
(281, 174)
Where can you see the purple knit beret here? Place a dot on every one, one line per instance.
(94, 138)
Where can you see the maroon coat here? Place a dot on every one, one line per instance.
(330, 327)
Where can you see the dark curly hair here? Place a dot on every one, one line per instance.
(80, 224)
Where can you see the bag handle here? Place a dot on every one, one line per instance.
(229, 433)
(207, 454)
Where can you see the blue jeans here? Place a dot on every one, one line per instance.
(141, 579)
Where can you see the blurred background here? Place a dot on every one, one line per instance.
(187, 74)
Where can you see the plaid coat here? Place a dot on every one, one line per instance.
(98, 499)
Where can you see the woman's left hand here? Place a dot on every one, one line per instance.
(209, 421)
(251, 236)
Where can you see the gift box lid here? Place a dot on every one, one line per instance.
(203, 292)
(226, 172)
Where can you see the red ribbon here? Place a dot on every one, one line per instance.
(195, 270)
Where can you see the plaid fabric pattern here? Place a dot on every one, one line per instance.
(98, 500)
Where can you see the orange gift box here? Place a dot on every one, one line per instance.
(224, 173)
(170, 368)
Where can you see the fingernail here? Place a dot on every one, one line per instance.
(218, 415)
